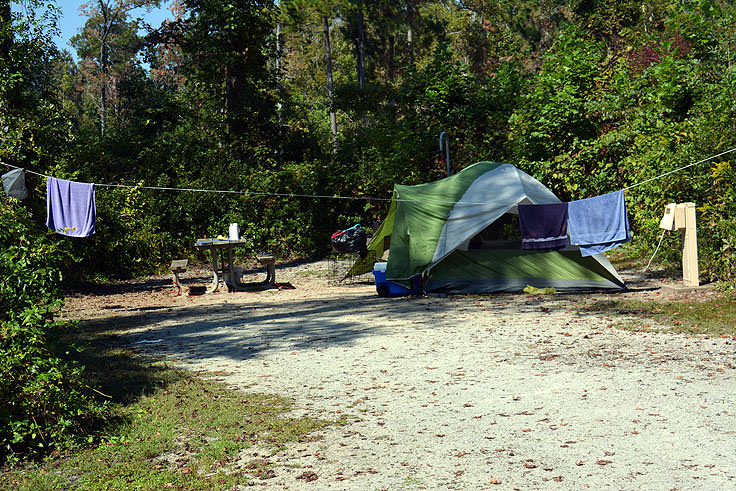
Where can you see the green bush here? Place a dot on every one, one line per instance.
(44, 400)
(718, 254)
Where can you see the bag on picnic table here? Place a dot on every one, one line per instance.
(350, 241)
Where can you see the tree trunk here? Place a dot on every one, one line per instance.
(361, 50)
(278, 67)
(481, 50)
(103, 87)
(6, 44)
(103, 66)
(391, 64)
(330, 87)
(6, 41)
(410, 31)
(233, 96)
(278, 49)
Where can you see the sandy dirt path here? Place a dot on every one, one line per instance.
(494, 392)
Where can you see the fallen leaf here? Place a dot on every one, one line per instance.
(460, 454)
(308, 476)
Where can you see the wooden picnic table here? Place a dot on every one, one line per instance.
(223, 270)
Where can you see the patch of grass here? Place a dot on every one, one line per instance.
(170, 429)
(410, 482)
(633, 257)
(627, 258)
(712, 317)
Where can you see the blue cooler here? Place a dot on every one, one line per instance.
(387, 288)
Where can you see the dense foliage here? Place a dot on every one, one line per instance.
(347, 97)
(45, 401)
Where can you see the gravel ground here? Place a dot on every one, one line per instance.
(470, 392)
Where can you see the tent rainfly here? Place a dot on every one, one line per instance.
(461, 235)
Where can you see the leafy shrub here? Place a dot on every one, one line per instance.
(44, 400)
(718, 255)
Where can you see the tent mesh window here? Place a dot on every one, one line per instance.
(504, 233)
(339, 266)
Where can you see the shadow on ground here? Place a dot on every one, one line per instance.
(109, 366)
(241, 328)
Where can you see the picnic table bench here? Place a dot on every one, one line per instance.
(177, 267)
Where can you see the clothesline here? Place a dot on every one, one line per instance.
(321, 196)
(681, 168)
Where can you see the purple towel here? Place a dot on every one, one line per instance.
(70, 207)
(543, 227)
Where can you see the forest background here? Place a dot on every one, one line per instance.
(348, 97)
(334, 98)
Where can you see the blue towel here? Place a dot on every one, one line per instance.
(543, 227)
(598, 224)
(70, 207)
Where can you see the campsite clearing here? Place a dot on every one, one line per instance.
(465, 392)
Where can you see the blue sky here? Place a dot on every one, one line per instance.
(71, 19)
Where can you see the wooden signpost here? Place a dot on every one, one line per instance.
(681, 216)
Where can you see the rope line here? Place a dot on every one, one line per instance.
(680, 168)
(655, 251)
(366, 198)
(258, 193)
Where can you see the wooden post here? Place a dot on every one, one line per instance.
(690, 274)
(684, 220)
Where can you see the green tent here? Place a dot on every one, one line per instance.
(461, 235)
